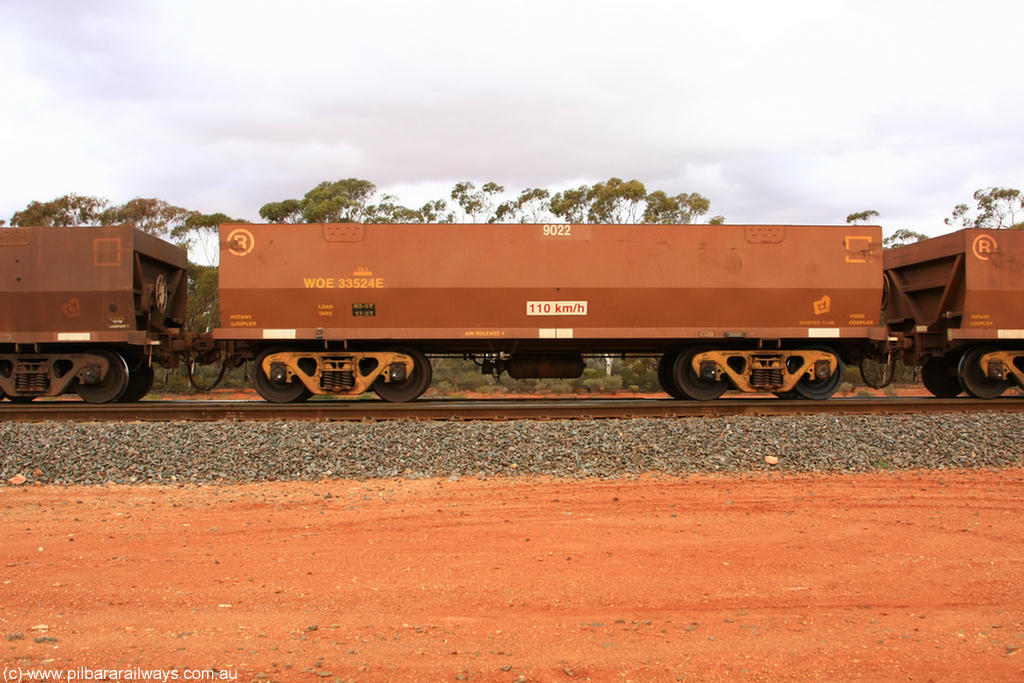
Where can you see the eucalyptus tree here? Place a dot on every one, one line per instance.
(997, 207)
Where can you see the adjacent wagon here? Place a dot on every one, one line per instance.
(958, 301)
(87, 310)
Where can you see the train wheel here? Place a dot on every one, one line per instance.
(276, 391)
(21, 399)
(690, 383)
(940, 377)
(413, 386)
(665, 368)
(111, 387)
(974, 380)
(820, 389)
(140, 381)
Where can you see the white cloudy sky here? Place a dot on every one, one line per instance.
(780, 111)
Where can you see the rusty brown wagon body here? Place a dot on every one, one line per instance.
(87, 310)
(958, 300)
(339, 308)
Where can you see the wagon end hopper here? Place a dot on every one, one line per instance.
(84, 309)
(531, 292)
(959, 301)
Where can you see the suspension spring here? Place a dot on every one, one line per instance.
(337, 380)
(31, 378)
(766, 377)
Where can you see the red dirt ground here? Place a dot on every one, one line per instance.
(882, 577)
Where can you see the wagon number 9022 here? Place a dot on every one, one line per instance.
(554, 230)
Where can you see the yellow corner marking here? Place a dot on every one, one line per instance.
(858, 246)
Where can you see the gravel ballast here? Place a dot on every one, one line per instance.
(204, 452)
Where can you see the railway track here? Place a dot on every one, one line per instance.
(487, 409)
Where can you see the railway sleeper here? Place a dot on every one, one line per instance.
(759, 370)
(337, 373)
(34, 375)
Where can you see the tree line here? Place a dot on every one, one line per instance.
(612, 201)
(357, 200)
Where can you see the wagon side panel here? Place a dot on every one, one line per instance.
(85, 284)
(484, 284)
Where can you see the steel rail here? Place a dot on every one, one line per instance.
(487, 409)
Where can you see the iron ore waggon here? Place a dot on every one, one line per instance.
(958, 303)
(340, 309)
(87, 310)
